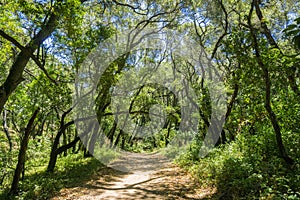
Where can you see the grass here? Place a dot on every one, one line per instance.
(70, 171)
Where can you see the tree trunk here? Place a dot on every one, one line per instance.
(62, 129)
(54, 154)
(167, 140)
(55, 150)
(6, 130)
(14, 77)
(22, 154)
(223, 139)
(118, 137)
(271, 40)
(93, 140)
(112, 133)
(123, 142)
(271, 114)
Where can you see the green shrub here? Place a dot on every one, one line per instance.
(247, 168)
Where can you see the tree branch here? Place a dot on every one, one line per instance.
(12, 40)
(224, 33)
(264, 26)
(32, 56)
(14, 77)
(268, 107)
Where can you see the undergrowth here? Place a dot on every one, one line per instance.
(247, 168)
(70, 171)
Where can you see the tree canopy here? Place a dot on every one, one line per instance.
(49, 48)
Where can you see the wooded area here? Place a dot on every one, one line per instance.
(254, 45)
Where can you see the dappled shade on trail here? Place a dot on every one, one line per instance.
(161, 180)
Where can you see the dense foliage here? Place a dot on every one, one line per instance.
(254, 44)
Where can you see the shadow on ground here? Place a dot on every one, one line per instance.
(150, 177)
(42, 185)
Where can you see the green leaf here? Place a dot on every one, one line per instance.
(290, 27)
(293, 32)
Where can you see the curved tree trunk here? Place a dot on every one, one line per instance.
(14, 77)
(223, 139)
(22, 154)
(271, 114)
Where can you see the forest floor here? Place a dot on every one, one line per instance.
(146, 176)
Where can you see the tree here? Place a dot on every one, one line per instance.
(22, 154)
(252, 44)
(26, 53)
(272, 115)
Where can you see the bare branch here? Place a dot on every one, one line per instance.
(264, 26)
(129, 6)
(33, 57)
(12, 40)
(42, 67)
(224, 33)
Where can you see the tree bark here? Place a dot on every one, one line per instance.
(112, 133)
(167, 139)
(6, 130)
(55, 149)
(22, 154)
(93, 139)
(14, 77)
(62, 129)
(55, 152)
(271, 40)
(271, 114)
(223, 139)
(118, 137)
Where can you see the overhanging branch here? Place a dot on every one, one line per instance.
(32, 56)
(12, 40)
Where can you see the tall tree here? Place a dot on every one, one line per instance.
(15, 75)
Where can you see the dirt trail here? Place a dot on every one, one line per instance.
(147, 176)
